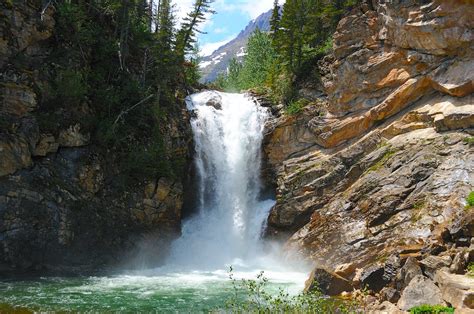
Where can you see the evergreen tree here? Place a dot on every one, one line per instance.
(275, 22)
(187, 34)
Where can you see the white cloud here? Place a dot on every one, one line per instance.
(220, 30)
(208, 48)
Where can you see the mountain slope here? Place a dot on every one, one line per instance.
(218, 61)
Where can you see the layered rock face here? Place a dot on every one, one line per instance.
(62, 208)
(380, 169)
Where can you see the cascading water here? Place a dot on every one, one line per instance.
(228, 132)
(224, 231)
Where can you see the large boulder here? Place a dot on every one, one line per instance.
(457, 290)
(421, 290)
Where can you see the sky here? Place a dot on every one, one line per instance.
(232, 16)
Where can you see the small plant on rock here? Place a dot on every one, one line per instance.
(431, 309)
(252, 296)
(470, 200)
(470, 269)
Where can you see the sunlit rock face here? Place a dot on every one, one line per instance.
(383, 164)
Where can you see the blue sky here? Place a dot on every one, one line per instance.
(231, 17)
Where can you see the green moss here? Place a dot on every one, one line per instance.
(431, 309)
(379, 164)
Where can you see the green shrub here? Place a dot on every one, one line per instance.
(431, 309)
(470, 200)
(469, 140)
(296, 106)
(470, 269)
(252, 296)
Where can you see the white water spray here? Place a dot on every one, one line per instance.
(228, 133)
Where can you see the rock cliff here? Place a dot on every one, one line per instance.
(62, 205)
(377, 171)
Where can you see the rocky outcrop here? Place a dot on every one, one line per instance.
(63, 205)
(376, 174)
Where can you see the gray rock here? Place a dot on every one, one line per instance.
(421, 290)
(410, 270)
(431, 264)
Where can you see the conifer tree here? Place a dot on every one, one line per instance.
(187, 34)
(275, 22)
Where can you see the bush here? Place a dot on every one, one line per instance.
(470, 269)
(470, 200)
(296, 106)
(431, 309)
(251, 296)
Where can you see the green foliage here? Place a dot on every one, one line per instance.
(470, 269)
(431, 309)
(470, 200)
(254, 69)
(120, 72)
(70, 87)
(296, 106)
(469, 140)
(252, 296)
(299, 37)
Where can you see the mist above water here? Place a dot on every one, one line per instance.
(230, 217)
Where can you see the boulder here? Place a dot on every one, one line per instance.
(327, 282)
(421, 290)
(459, 262)
(373, 278)
(390, 294)
(432, 263)
(457, 290)
(410, 270)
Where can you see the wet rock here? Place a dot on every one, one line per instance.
(327, 282)
(421, 290)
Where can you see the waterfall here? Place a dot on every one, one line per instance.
(230, 217)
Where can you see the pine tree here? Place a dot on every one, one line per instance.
(275, 22)
(187, 34)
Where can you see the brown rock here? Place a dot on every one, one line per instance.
(345, 270)
(14, 154)
(459, 263)
(17, 100)
(327, 282)
(47, 144)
